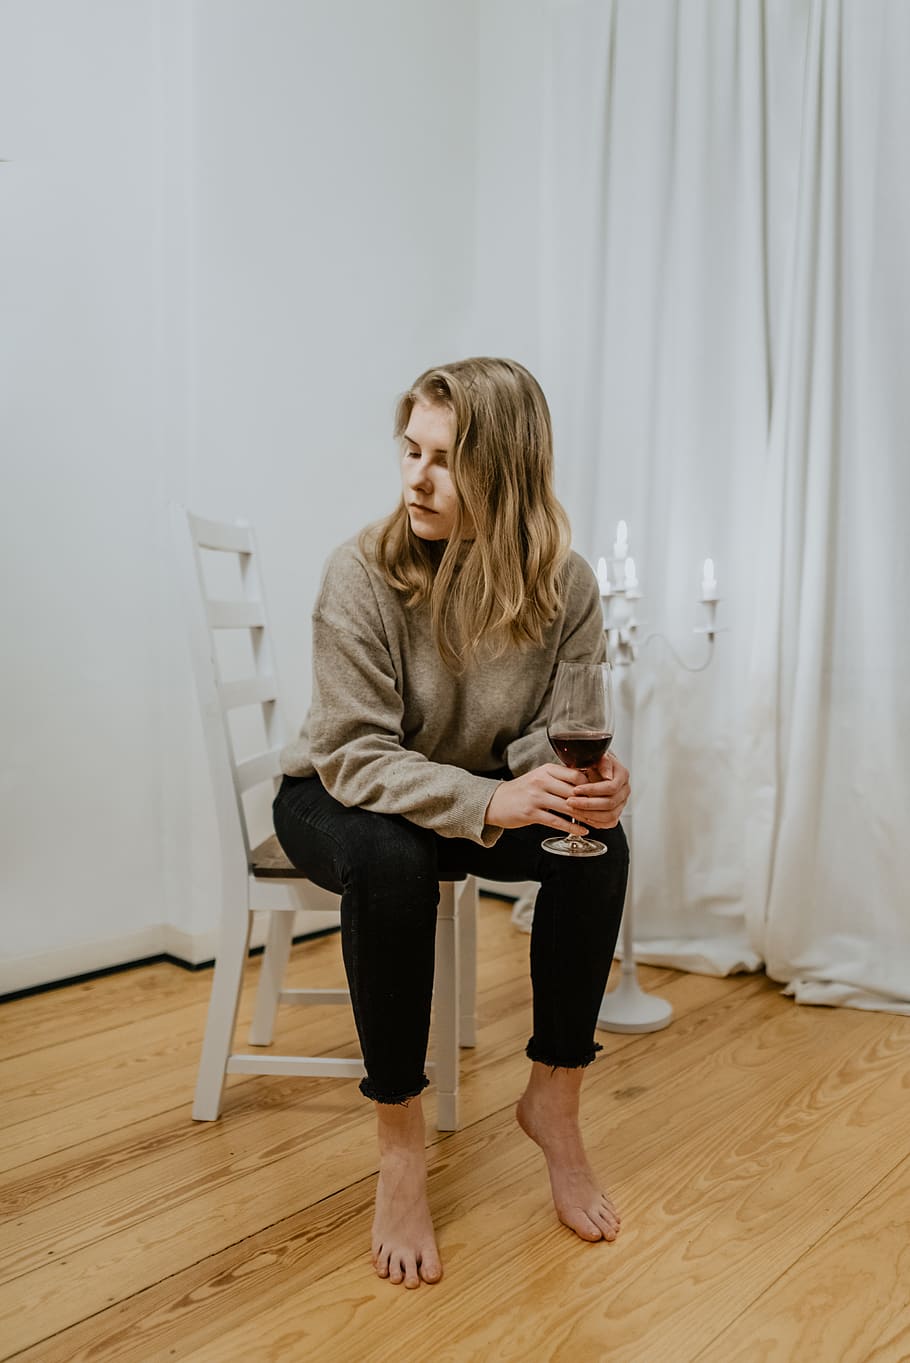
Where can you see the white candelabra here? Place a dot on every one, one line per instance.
(627, 1008)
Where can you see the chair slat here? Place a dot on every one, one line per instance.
(247, 692)
(314, 1066)
(257, 769)
(235, 539)
(314, 996)
(235, 614)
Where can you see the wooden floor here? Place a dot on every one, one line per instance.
(759, 1152)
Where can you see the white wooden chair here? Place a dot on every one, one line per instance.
(261, 878)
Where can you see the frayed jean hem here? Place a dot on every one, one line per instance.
(394, 1099)
(534, 1052)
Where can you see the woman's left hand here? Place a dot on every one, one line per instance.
(600, 803)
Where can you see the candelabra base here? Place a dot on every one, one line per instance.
(627, 1008)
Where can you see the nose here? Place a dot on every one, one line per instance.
(420, 476)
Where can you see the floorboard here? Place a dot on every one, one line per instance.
(759, 1152)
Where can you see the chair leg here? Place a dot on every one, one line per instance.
(222, 1018)
(445, 998)
(271, 976)
(467, 964)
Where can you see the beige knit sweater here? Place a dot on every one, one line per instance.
(391, 729)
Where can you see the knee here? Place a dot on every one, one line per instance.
(605, 875)
(390, 856)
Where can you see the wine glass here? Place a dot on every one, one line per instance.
(580, 731)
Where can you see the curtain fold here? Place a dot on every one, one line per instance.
(828, 870)
(724, 314)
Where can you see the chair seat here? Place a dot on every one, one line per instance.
(268, 860)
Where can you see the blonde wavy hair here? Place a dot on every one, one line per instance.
(499, 585)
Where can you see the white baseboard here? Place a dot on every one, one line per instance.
(201, 946)
(82, 958)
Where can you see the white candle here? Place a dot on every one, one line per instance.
(708, 581)
(603, 579)
(631, 579)
(621, 547)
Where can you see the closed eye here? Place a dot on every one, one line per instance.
(440, 457)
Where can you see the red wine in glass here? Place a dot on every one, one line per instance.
(579, 750)
(580, 732)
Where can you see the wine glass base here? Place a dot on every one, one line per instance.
(573, 847)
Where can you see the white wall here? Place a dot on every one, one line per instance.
(233, 233)
(511, 73)
(334, 148)
(84, 456)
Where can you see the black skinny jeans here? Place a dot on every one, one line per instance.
(387, 871)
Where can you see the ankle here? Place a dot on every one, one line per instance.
(400, 1128)
(555, 1092)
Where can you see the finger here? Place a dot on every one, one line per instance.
(605, 819)
(593, 810)
(600, 789)
(602, 822)
(612, 782)
(597, 796)
(611, 769)
(553, 788)
(600, 799)
(570, 775)
(549, 819)
(607, 790)
(572, 808)
(596, 815)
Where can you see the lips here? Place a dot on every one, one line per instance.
(415, 506)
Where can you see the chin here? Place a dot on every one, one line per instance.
(426, 532)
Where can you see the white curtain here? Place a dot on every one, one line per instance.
(726, 338)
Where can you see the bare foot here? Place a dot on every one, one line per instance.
(404, 1246)
(548, 1113)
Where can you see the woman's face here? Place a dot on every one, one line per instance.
(429, 493)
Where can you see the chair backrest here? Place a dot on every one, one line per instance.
(205, 616)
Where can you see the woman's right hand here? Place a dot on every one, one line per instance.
(538, 797)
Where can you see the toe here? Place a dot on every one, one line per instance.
(411, 1276)
(381, 1261)
(606, 1208)
(582, 1224)
(396, 1269)
(430, 1267)
(608, 1227)
(607, 1212)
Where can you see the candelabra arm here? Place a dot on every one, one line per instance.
(684, 665)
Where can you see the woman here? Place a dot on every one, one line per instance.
(435, 640)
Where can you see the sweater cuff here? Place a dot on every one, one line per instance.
(489, 833)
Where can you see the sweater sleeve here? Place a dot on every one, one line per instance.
(356, 724)
(581, 640)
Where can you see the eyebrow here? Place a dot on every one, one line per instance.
(417, 442)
